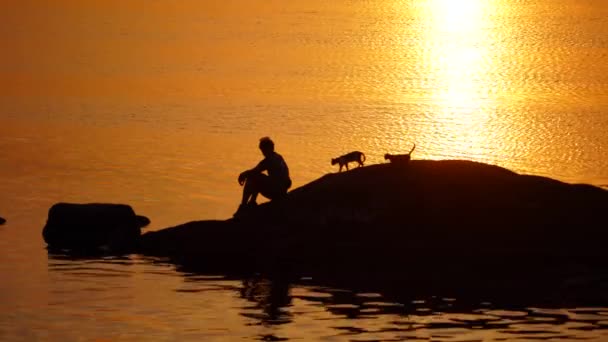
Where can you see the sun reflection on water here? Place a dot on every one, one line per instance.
(458, 62)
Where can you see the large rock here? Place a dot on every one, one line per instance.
(92, 226)
(455, 228)
(430, 212)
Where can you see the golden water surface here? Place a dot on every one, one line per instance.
(160, 104)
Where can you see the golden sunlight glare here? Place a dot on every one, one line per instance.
(458, 61)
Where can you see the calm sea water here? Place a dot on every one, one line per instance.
(160, 105)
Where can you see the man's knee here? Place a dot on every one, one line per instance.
(256, 180)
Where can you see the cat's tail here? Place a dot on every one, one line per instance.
(412, 150)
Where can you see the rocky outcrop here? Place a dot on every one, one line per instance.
(92, 227)
(389, 220)
(402, 217)
(427, 226)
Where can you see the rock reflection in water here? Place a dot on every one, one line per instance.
(270, 299)
(360, 315)
(150, 297)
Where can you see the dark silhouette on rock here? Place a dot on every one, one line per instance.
(462, 227)
(93, 226)
(389, 216)
(2, 221)
(354, 157)
(272, 184)
(416, 226)
(402, 159)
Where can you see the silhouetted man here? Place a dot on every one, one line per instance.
(272, 185)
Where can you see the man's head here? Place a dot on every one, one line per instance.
(266, 146)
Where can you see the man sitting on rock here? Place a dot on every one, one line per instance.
(272, 185)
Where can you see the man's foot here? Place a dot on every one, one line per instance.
(240, 211)
(244, 208)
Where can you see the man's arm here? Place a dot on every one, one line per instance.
(262, 166)
(243, 177)
(257, 169)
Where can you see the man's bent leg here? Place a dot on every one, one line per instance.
(252, 188)
(273, 190)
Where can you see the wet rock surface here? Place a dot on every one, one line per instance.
(453, 227)
(389, 215)
(92, 226)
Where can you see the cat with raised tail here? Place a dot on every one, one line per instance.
(355, 156)
(401, 159)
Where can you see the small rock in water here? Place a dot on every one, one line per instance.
(91, 226)
(142, 221)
